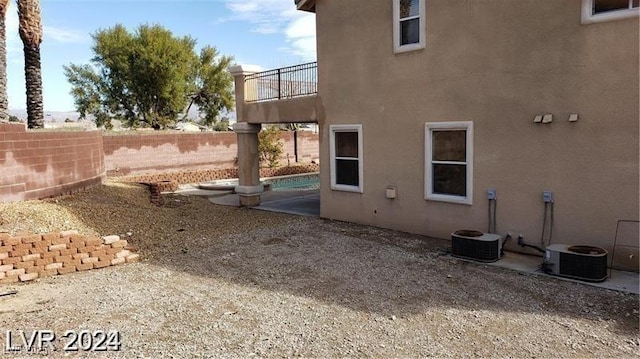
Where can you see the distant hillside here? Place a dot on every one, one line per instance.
(49, 116)
(61, 116)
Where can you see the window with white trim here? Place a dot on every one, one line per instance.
(408, 25)
(345, 143)
(449, 161)
(608, 10)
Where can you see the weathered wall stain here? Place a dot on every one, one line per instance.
(149, 153)
(43, 164)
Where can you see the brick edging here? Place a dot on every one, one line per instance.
(25, 257)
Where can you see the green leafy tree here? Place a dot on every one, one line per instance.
(213, 86)
(269, 146)
(148, 77)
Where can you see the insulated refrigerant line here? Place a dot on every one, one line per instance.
(493, 204)
(544, 223)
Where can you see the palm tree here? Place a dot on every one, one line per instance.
(31, 34)
(4, 102)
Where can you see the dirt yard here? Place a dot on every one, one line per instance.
(234, 282)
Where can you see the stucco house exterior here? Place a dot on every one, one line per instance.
(438, 115)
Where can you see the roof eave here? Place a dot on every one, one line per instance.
(306, 5)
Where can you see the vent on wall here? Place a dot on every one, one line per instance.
(470, 244)
(578, 262)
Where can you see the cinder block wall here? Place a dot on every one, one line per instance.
(130, 154)
(148, 153)
(308, 147)
(40, 164)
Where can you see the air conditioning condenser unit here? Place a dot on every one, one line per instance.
(578, 262)
(470, 244)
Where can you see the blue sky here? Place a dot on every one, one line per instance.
(268, 33)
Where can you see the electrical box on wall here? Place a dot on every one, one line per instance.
(547, 196)
(390, 192)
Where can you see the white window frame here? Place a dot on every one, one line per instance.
(428, 183)
(332, 154)
(397, 48)
(588, 17)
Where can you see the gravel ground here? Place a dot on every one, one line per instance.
(234, 282)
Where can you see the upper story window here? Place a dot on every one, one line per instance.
(408, 25)
(608, 10)
(345, 147)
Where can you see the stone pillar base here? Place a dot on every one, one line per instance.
(249, 195)
(250, 201)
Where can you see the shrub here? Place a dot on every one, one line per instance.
(221, 125)
(269, 146)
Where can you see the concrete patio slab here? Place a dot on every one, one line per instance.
(304, 203)
(618, 280)
(299, 202)
(195, 190)
(232, 200)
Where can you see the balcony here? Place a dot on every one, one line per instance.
(283, 83)
(283, 95)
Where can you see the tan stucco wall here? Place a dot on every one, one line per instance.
(497, 63)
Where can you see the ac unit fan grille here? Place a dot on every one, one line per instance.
(479, 250)
(594, 268)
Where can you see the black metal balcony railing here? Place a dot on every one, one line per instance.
(283, 83)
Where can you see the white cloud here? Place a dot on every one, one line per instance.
(15, 63)
(302, 26)
(301, 35)
(63, 35)
(278, 17)
(14, 44)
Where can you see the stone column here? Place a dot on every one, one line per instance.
(249, 188)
